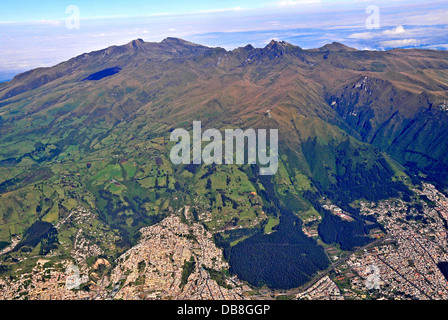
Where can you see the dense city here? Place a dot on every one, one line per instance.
(178, 259)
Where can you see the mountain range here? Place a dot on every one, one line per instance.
(93, 132)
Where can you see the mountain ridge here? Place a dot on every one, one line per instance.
(94, 131)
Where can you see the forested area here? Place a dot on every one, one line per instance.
(283, 259)
(348, 234)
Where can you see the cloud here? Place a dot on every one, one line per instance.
(395, 31)
(400, 43)
(284, 3)
(218, 10)
(369, 35)
(437, 46)
(368, 49)
(362, 35)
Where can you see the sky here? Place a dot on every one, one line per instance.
(44, 33)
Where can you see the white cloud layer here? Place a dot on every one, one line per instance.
(400, 43)
(395, 31)
(283, 3)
